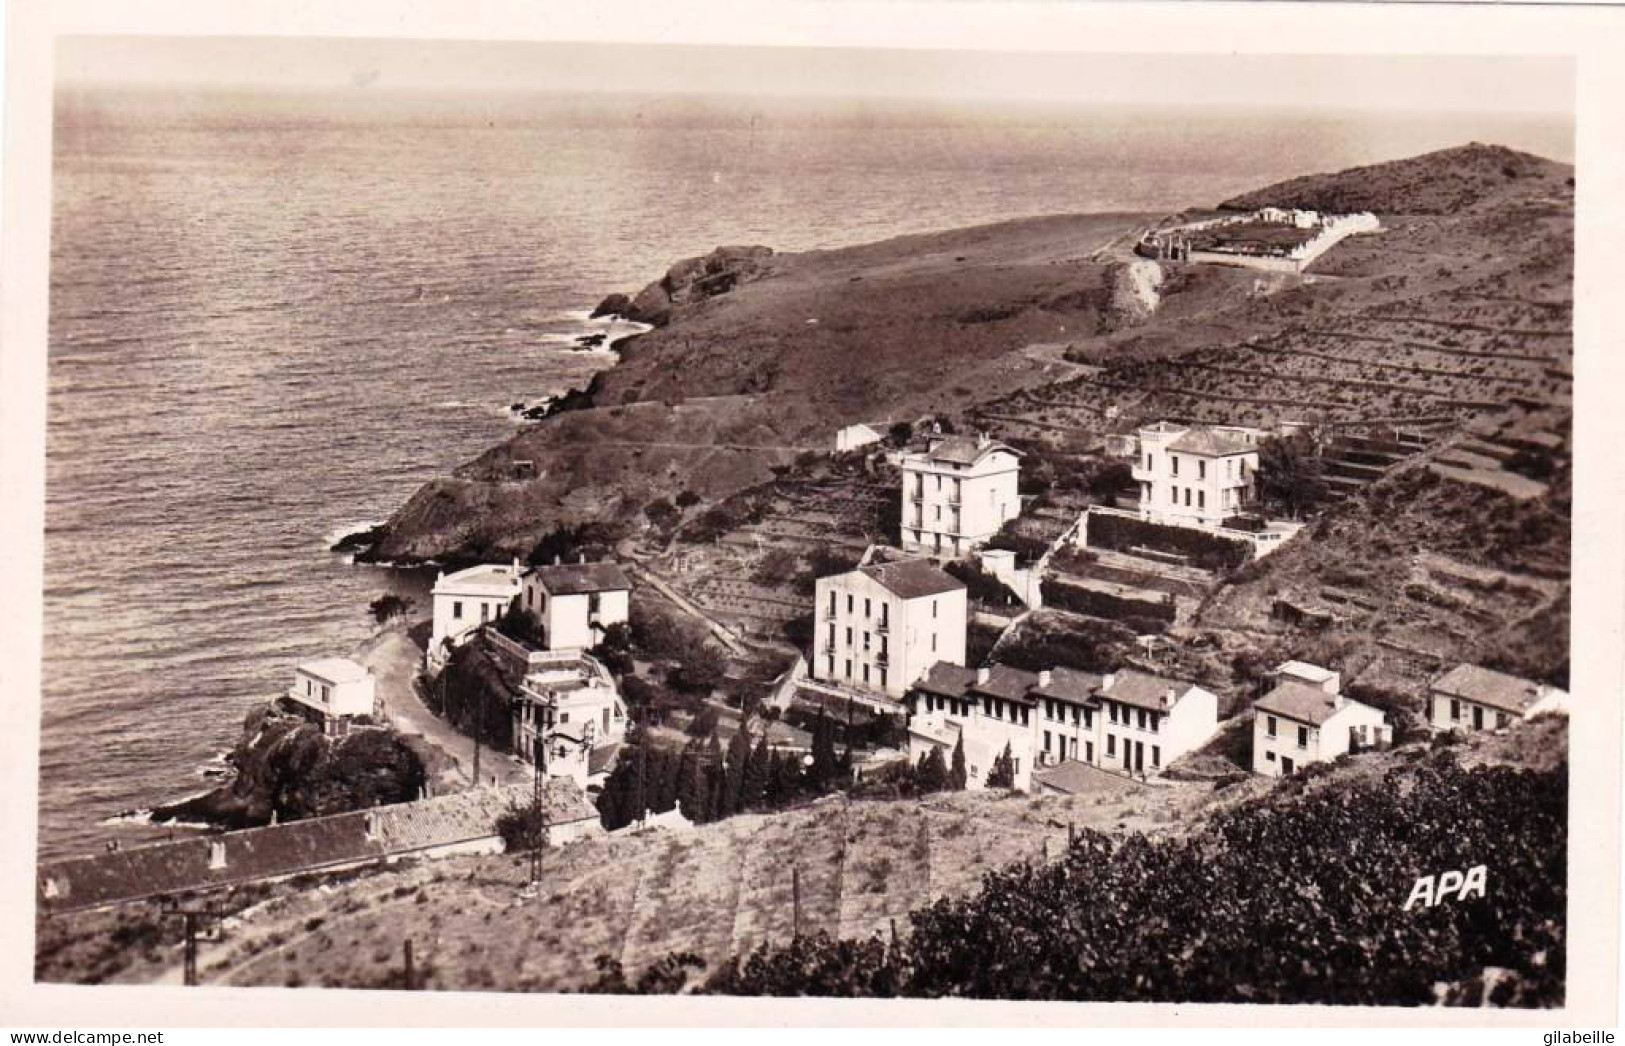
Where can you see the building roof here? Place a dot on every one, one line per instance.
(494, 578)
(1299, 701)
(572, 579)
(295, 846)
(1305, 671)
(1011, 684)
(1070, 684)
(335, 670)
(967, 450)
(1488, 687)
(1208, 443)
(912, 578)
(947, 680)
(602, 759)
(1143, 690)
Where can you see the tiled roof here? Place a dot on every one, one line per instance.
(1208, 443)
(912, 578)
(294, 847)
(602, 758)
(947, 680)
(335, 670)
(1488, 687)
(573, 579)
(1070, 684)
(1011, 684)
(1143, 690)
(1299, 701)
(966, 450)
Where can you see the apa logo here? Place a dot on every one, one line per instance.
(1463, 884)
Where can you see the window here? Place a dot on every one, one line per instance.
(933, 642)
(866, 641)
(849, 602)
(1303, 737)
(1269, 726)
(1111, 744)
(832, 601)
(485, 613)
(1046, 740)
(848, 672)
(1148, 461)
(1455, 710)
(564, 717)
(1201, 470)
(1025, 713)
(457, 610)
(882, 678)
(1173, 460)
(1156, 756)
(1201, 499)
(1500, 720)
(848, 635)
(866, 673)
(1269, 757)
(1141, 718)
(1112, 709)
(1156, 721)
(867, 607)
(933, 608)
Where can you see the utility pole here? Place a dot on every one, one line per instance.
(538, 801)
(193, 920)
(795, 902)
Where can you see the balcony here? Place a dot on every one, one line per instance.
(1142, 474)
(883, 628)
(882, 659)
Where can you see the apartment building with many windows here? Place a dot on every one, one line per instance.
(881, 626)
(957, 494)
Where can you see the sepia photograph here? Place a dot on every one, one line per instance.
(623, 518)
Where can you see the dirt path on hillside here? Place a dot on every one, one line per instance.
(394, 660)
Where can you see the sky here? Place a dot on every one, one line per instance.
(1540, 86)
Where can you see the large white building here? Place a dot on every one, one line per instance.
(1469, 697)
(575, 603)
(333, 691)
(1194, 475)
(958, 493)
(469, 598)
(881, 626)
(1306, 719)
(1129, 722)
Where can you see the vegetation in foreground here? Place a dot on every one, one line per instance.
(1255, 907)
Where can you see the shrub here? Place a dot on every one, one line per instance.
(1204, 550)
(1093, 603)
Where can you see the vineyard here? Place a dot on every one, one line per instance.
(1257, 907)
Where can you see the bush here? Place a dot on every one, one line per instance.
(389, 606)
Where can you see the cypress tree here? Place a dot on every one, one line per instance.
(733, 791)
(1003, 773)
(753, 787)
(957, 776)
(825, 764)
(691, 790)
(716, 773)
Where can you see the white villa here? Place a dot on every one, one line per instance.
(881, 626)
(570, 711)
(1129, 722)
(1194, 475)
(958, 493)
(855, 436)
(470, 598)
(1469, 697)
(576, 603)
(1306, 719)
(333, 691)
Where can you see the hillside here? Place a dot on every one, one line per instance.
(1445, 182)
(720, 891)
(761, 357)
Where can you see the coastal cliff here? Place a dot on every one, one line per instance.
(756, 358)
(285, 768)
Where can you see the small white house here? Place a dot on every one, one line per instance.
(333, 691)
(1306, 719)
(469, 598)
(1469, 697)
(854, 436)
(1147, 721)
(575, 603)
(1194, 476)
(570, 712)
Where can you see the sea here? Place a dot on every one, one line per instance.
(274, 315)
